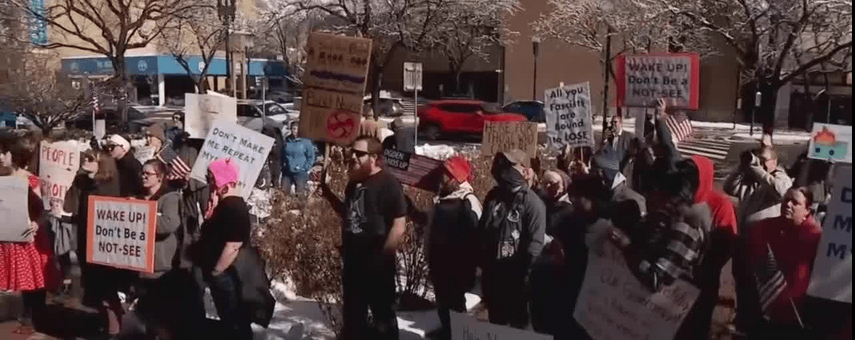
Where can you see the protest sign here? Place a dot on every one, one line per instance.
(333, 87)
(411, 169)
(202, 110)
(121, 233)
(568, 116)
(832, 270)
(144, 153)
(614, 305)
(831, 142)
(14, 201)
(465, 327)
(246, 147)
(643, 79)
(58, 165)
(506, 136)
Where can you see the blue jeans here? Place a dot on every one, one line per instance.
(299, 180)
(226, 294)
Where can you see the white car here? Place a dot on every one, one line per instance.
(255, 114)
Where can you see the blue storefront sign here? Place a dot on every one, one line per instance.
(166, 65)
(37, 24)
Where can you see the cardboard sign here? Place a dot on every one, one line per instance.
(14, 205)
(465, 327)
(831, 142)
(506, 136)
(246, 147)
(202, 110)
(58, 165)
(568, 116)
(411, 169)
(334, 87)
(144, 153)
(832, 270)
(643, 79)
(121, 233)
(614, 305)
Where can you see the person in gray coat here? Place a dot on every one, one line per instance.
(512, 230)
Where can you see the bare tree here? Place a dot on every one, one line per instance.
(285, 33)
(196, 31)
(392, 25)
(775, 41)
(107, 27)
(468, 30)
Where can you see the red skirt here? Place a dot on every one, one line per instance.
(27, 266)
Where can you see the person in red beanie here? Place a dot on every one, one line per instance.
(450, 238)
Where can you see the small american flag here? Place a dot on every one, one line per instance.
(770, 280)
(178, 170)
(680, 126)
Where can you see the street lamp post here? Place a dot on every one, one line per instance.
(535, 46)
(757, 98)
(226, 11)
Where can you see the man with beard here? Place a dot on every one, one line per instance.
(513, 226)
(373, 224)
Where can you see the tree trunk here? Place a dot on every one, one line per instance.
(766, 110)
(122, 101)
(456, 70)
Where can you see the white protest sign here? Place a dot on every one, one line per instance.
(568, 116)
(14, 193)
(58, 164)
(614, 305)
(144, 153)
(202, 110)
(121, 233)
(465, 327)
(832, 270)
(644, 79)
(831, 142)
(246, 147)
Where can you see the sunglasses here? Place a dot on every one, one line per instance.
(358, 153)
(89, 159)
(149, 174)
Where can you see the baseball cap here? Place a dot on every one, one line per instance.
(119, 141)
(459, 168)
(517, 157)
(225, 171)
(157, 132)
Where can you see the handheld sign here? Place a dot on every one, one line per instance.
(14, 205)
(121, 233)
(832, 270)
(506, 136)
(411, 169)
(568, 116)
(643, 79)
(58, 164)
(831, 142)
(202, 110)
(144, 153)
(333, 87)
(246, 147)
(465, 327)
(613, 304)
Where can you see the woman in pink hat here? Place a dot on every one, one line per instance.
(226, 230)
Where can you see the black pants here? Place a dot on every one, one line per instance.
(450, 290)
(225, 289)
(171, 303)
(369, 284)
(748, 313)
(506, 297)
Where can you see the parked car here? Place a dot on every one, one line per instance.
(461, 117)
(388, 105)
(250, 114)
(150, 115)
(531, 109)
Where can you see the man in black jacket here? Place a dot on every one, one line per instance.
(130, 169)
(512, 227)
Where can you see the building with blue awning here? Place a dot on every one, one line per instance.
(161, 80)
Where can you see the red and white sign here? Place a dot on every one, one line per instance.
(121, 233)
(58, 164)
(643, 79)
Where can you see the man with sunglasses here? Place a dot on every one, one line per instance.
(130, 183)
(373, 225)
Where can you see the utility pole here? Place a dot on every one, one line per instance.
(607, 77)
(535, 46)
(226, 10)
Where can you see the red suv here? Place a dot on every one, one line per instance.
(461, 117)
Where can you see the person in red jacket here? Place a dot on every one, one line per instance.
(793, 239)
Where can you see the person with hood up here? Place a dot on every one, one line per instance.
(513, 227)
(450, 235)
(606, 165)
(722, 241)
(130, 183)
(546, 276)
(404, 138)
(759, 184)
(298, 157)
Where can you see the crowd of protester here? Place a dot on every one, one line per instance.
(527, 243)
